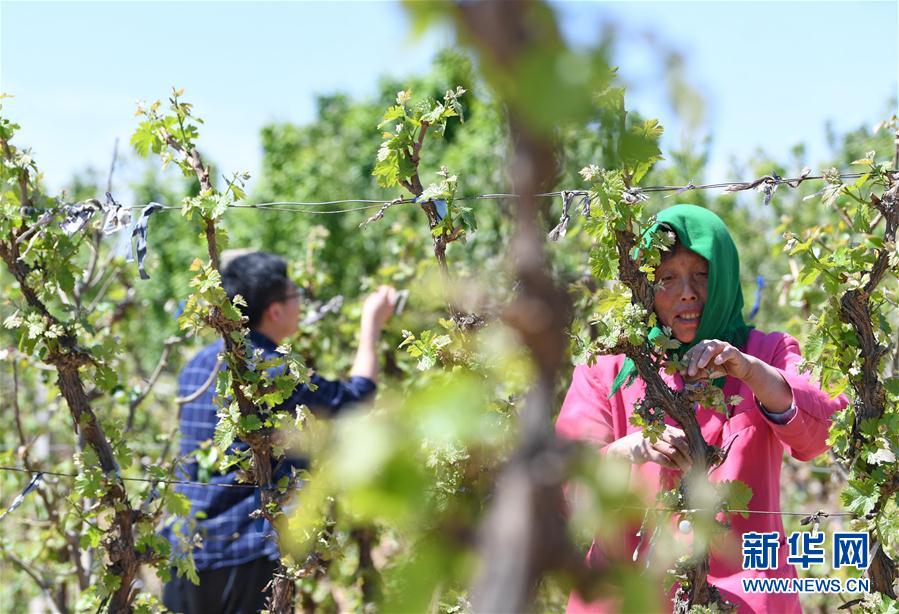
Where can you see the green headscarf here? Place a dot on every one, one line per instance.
(704, 233)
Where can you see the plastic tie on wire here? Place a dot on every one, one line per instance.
(118, 217)
(631, 196)
(760, 285)
(78, 215)
(332, 306)
(585, 202)
(806, 171)
(32, 485)
(141, 231)
(689, 186)
(561, 229)
(380, 214)
(42, 221)
(439, 206)
(769, 187)
(152, 496)
(814, 520)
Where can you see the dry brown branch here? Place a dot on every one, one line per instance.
(73, 547)
(182, 401)
(259, 442)
(154, 377)
(193, 396)
(679, 405)
(441, 241)
(870, 402)
(366, 572)
(42, 580)
(524, 536)
(101, 293)
(68, 358)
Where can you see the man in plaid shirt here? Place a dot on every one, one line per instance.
(239, 554)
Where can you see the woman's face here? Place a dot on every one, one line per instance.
(680, 292)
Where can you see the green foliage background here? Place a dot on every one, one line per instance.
(332, 157)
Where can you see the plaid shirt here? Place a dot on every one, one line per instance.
(230, 536)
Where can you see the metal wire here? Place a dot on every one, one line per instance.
(310, 208)
(127, 479)
(817, 513)
(730, 511)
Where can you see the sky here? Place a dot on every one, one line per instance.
(770, 74)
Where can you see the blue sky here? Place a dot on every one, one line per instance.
(771, 74)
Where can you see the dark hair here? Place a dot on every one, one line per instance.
(260, 278)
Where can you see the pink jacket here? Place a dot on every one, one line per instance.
(755, 457)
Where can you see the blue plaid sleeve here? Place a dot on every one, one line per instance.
(330, 396)
(221, 511)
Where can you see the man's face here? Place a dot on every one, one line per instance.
(284, 313)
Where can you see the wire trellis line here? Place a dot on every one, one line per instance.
(302, 207)
(119, 221)
(289, 209)
(309, 206)
(130, 479)
(817, 514)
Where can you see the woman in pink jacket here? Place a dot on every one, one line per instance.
(698, 296)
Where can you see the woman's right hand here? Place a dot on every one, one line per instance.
(670, 449)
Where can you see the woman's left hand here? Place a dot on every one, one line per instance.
(712, 358)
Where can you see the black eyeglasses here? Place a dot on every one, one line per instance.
(297, 293)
